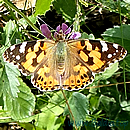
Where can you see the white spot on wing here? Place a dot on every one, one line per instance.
(109, 56)
(12, 47)
(114, 54)
(115, 46)
(17, 57)
(104, 46)
(116, 50)
(22, 47)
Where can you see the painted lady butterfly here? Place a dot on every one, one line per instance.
(71, 64)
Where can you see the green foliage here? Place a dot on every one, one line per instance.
(79, 107)
(10, 34)
(69, 12)
(24, 23)
(117, 6)
(117, 34)
(49, 110)
(9, 81)
(17, 97)
(42, 6)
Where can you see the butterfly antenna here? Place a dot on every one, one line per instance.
(45, 23)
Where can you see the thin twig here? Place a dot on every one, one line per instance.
(106, 85)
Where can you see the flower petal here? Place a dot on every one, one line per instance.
(46, 32)
(64, 27)
(75, 35)
(55, 34)
(67, 31)
(58, 28)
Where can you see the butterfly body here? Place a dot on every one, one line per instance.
(61, 56)
(70, 64)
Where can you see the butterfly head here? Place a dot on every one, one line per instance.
(61, 32)
(59, 35)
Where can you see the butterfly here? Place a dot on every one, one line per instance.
(70, 64)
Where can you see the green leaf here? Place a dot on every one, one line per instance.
(24, 23)
(9, 81)
(113, 5)
(117, 33)
(57, 110)
(67, 8)
(94, 101)
(127, 59)
(10, 35)
(79, 107)
(116, 6)
(56, 103)
(47, 120)
(42, 6)
(84, 35)
(123, 120)
(125, 105)
(28, 126)
(22, 106)
(18, 99)
(106, 102)
(9, 31)
(9, 27)
(22, 14)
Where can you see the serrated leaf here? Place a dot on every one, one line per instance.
(116, 34)
(67, 8)
(42, 6)
(18, 99)
(79, 107)
(9, 27)
(11, 33)
(9, 81)
(22, 106)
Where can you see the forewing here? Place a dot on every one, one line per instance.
(97, 55)
(27, 55)
(35, 58)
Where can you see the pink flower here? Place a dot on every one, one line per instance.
(64, 28)
(46, 32)
(75, 35)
